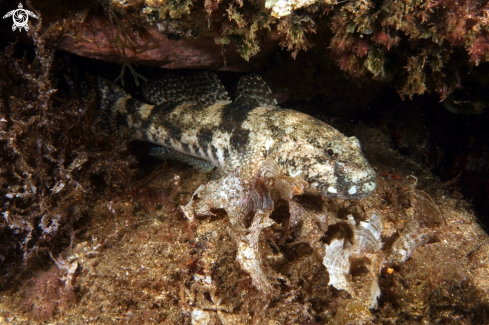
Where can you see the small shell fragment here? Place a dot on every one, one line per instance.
(339, 255)
(200, 317)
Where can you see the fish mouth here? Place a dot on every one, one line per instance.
(357, 191)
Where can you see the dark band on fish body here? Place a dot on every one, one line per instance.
(233, 116)
(226, 154)
(162, 110)
(214, 153)
(196, 149)
(121, 121)
(174, 132)
(185, 147)
(204, 138)
(239, 139)
(132, 106)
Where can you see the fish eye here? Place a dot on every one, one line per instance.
(330, 152)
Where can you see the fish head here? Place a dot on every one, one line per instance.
(331, 164)
(350, 177)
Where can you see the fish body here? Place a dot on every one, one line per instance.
(195, 119)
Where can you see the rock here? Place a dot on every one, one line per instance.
(97, 37)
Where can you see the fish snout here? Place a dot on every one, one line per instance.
(353, 182)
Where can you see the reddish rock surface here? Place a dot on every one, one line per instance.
(96, 38)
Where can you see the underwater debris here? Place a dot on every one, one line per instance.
(239, 198)
(248, 255)
(353, 262)
(69, 269)
(409, 239)
(309, 221)
(200, 317)
(366, 244)
(424, 217)
(234, 194)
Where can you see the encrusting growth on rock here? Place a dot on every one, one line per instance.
(421, 46)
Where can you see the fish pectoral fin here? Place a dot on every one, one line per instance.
(253, 91)
(200, 88)
(287, 186)
(170, 154)
(268, 168)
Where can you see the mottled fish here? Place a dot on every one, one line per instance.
(193, 119)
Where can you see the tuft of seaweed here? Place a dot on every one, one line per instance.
(53, 163)
(417, 41)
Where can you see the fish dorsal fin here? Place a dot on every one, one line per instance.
(252, 90)
(200, 88)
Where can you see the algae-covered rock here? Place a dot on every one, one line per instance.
(421, 46)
